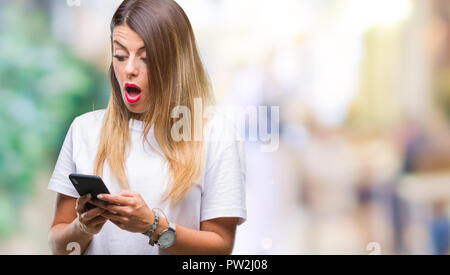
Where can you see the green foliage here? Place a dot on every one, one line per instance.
(43, 86)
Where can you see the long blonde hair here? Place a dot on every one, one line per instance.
(176, 76)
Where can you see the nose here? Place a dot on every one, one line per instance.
(131, 68)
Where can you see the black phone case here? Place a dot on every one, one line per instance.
(85, 184)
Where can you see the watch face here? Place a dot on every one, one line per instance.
(167, 238)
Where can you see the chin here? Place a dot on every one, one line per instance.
(134, 112)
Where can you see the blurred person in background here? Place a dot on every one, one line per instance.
(440, 229)
(131, 145)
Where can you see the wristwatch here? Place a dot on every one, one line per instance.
(167, 237)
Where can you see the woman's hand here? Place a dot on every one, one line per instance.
(127, 210)
(89, 221)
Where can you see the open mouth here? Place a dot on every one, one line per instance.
(132, 92)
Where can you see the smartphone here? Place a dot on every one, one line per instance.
(87, 184)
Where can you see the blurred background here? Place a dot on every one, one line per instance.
(363, 164)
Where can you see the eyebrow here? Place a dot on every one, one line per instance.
(125, 48)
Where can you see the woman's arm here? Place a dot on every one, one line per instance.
(72, 223)
(215, 236)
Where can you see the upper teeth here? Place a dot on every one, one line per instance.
(130, 88)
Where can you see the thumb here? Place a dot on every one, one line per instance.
(84, 199)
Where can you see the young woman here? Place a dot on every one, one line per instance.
(169, 195)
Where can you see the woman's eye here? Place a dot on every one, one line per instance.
(144, 59)
(119, 57)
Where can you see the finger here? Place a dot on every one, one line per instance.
(114, 209)
(96, 221)
(115, 199)
(85, 198)
(91, 214)
(81, 202)
(99, 203)
(127, 193)
(118, 210)
(115, 218)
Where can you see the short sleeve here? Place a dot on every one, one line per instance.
(65, 165)
(223, 193)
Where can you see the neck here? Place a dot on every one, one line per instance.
(136, 116)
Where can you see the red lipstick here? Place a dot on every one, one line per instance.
(132, 92)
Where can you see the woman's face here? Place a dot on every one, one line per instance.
(130, 67)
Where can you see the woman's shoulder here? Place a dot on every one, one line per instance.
(224, 139)
(221, 128)
(90, 119)
(88, 125)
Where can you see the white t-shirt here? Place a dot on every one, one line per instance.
(220, 192)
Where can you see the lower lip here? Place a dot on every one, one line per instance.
(132, 99)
